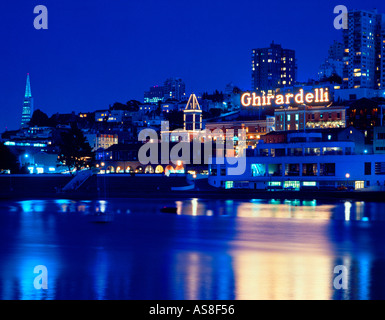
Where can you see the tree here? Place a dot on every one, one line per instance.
(216, 96)
(118, 106)
(75, 151)
(40, 119)
(215, 112)
(334, 78)
(175, 119)
(8, 160)
(133, 105)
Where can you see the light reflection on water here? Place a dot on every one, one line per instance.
(210, 249)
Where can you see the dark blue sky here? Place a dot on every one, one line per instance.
(96, 52)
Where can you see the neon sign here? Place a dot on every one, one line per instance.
(251, 99)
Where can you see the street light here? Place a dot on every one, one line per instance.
(347, 176)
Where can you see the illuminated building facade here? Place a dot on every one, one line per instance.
(272, 68)
(254, 129)
(113, 116)
(27, 105)
(100, 140)
(312, 160)
(123, 158)
(192, 119)
(192, 114)
(363, 50)
(172, 88)
(301, 117)
(175, 88)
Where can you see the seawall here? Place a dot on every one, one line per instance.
(153, 186)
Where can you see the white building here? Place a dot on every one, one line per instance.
(303, 162)
(99, 140)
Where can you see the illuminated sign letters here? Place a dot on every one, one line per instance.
(251, 99)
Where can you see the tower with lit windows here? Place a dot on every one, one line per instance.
(364, 42)
(27, 105)
(192, 114)
(272, 67)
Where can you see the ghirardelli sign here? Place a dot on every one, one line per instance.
(316, 96)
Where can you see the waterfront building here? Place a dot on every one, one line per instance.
(365, 115)
(254, 129)
(40, 162)
(27, 105)
(303, 117)
(119, 158)
(34, 149)
(379, 140)
(272, 68)
(123, 158)
(306, 160)
(327, 135)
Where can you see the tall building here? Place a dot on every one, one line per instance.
(154, 94)
(272, 67)
(172, 88)
(175, 88)
(27, 105)
(333, 64)
(336, 51)
(363, 49)
(380, 64)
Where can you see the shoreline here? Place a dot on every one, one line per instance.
(371, 196)
(13, 187)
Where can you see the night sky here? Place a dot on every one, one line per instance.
(97, 52)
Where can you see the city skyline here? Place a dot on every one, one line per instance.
(192, 151)
(83, 62)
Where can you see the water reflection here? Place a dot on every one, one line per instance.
(282, 276)
(212, 249)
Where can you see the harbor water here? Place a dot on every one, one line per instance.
(206, 249)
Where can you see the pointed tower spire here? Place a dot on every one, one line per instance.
(28, 93)
(192, 114)
(27, 105)
(192, 103)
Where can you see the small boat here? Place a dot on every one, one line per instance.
(169, 210)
